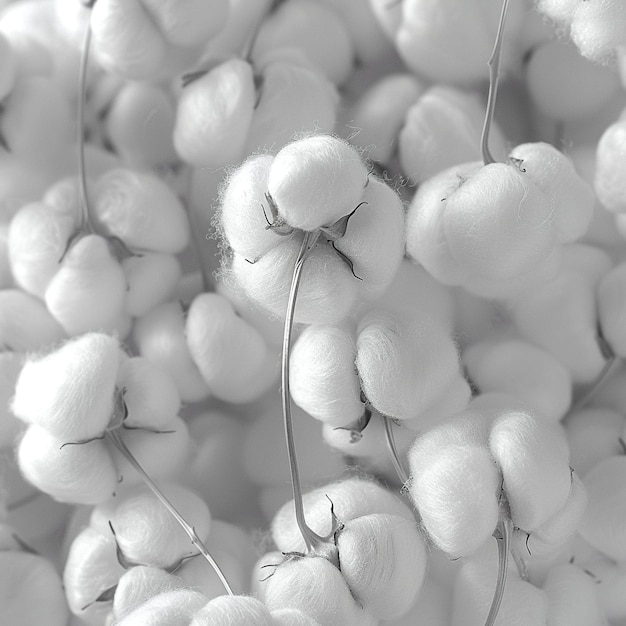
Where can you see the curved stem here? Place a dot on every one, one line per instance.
(310, 537)
(393, 450)
(494, 75)
(119, 443)
(502, 535)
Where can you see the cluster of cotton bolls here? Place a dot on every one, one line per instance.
(312, 312)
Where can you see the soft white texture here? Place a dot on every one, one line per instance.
(597, 29)
(170, 608)
(609, 183)
(233, 611)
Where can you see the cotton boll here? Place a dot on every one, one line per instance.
(380, 112)
(533, 457)
(170, 608)
(214, 115)
(141, 210)
(383, 559)
(70, 391)
(31, 591)
(317, 180)
(233, 611)
(160, 337)
(598, 29)
(323, 378)
(558, 10)
(292, 617)
(610, 159)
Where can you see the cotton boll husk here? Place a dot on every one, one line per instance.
(328, 290)
(160, 337)
(231, 354)
(31, 591)
(36, 241)
(323, 378)
(315, 586)
(141, 210)
(441, 129)
(383, 559)
(522, 370)
(146, 531)
(316, 180)
(25, 323)
(380, 112)
(150, 395)
(314, 28)
(91, 568)
(294, 99)
(593, 435)
(233, 611)
(152, 278)
(138, 585)
(405, 364)
(603, 523)
(573, 598)
(161, 454)
(551, 171)
(89, 290)
(170, 608)
(533, 456)
(597, 30)
(608, 182)
(522, 604)
(292, 617)
(214, 115)
(70, 391)
(11, 364)
(351, 498)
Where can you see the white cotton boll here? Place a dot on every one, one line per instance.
(533, 456)
(31, 591)
(148, 534)
(522, 370)
(315, 586)
(564, 85)
(572, 597)
(316, 180)
(610, 161)
(214, 115)
(262, 570)
(89, 290)
(138, 585)
(323, 378)
(232, 355)
(25, 323)
(443, 128)
(328, 290)
(152, 278)
(81, 474)
(36, 242)
(405, 364)
(598, 29)
(351, 498)
(160, 337)
(380, 112)
(551, 171)
(292, 617)
(314, 28)
(293, 99)
(11, 364)
(70, 392)
(142, 210)
(149, 393)
(593, 435)
(558, 10)
(383, 559)
(603, 523)
(233, 611)
(170, 608)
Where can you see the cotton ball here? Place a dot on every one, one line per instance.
(160, 337)
(593, 435)
(323, 377)
(523, 370)
(351, 498)
(316, 180)
(233, 611)
(141, 210)
(610, 159)
(558, 10)
(533, 457)
(328, 290)
(405, 364)
(292, 617)
(598, 29)
(316, 587)
(32, 592)
(383, 559)
(170, 608)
